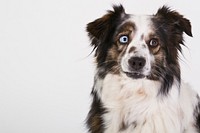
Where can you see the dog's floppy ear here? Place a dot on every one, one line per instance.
(179, 23)
(98, 30)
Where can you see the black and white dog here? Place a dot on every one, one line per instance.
(137, 86)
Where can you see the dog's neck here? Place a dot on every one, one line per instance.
(132, 103)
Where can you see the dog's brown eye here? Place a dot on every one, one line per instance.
(153, 42)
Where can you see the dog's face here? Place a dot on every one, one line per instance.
(139, 46)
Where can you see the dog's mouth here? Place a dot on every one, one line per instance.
(135, 75)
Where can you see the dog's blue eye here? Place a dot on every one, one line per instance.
(123, 39)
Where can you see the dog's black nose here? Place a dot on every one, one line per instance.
(136, 63)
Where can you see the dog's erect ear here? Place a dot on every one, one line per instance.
(180, 23)
(98, 30)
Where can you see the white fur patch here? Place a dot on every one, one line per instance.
(136, 104)
(143, 29)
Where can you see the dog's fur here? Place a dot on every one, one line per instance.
(137, 86)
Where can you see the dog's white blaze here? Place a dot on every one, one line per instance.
(143, 26)
(143, 29)
(137, 102)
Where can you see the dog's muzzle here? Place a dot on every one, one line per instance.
(136, 65)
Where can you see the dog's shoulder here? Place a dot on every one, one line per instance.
(190, 104)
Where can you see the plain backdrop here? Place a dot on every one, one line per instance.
(46, 72)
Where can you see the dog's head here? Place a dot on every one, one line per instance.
(139, 46)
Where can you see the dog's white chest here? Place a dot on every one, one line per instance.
(134, 107)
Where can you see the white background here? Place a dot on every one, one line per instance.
(45, 72)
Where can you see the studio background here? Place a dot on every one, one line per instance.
(46, 72)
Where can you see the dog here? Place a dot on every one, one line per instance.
(137, 83)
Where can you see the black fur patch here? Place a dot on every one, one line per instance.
(170, 25)
(101, 33)
(197, 114)
(94, 121)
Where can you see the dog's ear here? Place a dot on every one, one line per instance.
(178, 22)
(98, 30)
